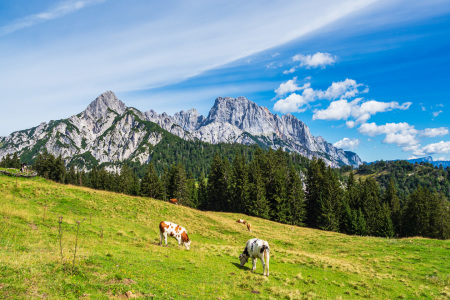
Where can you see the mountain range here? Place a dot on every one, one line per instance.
(430, 160)
(108, 131)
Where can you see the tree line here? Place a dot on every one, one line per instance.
(275, 185)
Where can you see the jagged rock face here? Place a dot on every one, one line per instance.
(110, 132)
(189, 120)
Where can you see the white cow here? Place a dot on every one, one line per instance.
(256, 248)
(172, 229)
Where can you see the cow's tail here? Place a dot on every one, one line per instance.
(266, 258)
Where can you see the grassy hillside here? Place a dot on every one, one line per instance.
(118, 254)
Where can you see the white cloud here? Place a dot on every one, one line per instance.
(405, 135)
(372, 129)
(437, 113)
(290, 86)
(342, 89)
(433, 132)
(343, 110)
(61, 9)
(316, 60)
(291, 104)
(347, 144)
(337, 110)
(350, 124)
(441, 147)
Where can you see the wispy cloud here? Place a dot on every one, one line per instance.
(437, 113)
(61, 9)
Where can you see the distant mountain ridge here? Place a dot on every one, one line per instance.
(430, 160)
(108, 131)
(427, 159)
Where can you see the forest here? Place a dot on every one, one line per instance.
(386, 199)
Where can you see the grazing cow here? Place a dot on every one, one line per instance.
(178, 232)
(249, 227)
(174, 201)
(256, 248)
(241, 221)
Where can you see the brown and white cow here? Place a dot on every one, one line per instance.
(254, 249)
(241, 221)
(174, 230)
(174, 201)
(249, 227)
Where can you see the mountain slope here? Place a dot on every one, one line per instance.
(107, 131)
(117, 252)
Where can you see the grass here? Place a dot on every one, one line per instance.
(118, 255)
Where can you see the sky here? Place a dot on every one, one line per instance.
(369, 76)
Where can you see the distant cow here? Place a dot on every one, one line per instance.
(241, 221)
(23, 168)
(249, 227)
(256, 248)
(174, 201)
(178, 232)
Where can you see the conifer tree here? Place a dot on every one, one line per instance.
(202, 192)
(314, 189)
(15, 162)
(416, 215)
(371, 205)
(295, 199)
(258, 205)
(391, 198)
(385, 228)
(218, 186)
(329, 217)
(239, 185)
(71, 177)
(151, 184)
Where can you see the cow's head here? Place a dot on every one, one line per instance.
(243, 258)
(186, 240)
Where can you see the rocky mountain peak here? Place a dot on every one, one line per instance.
(106, 101)
(189, 120)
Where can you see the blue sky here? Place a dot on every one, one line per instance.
(369, 76)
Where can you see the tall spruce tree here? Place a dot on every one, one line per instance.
(239, 185)
(370, 196)
(218, 186)
(259, 206)
(151, 184)
(385, 227)
(329, 217)
(295, 199)
(202, 192)
(315, 183)
(391, 198)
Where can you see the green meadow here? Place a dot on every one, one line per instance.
(107, 247)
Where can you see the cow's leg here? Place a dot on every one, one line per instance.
(254, 264)
(263, 265)
(165, 238)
